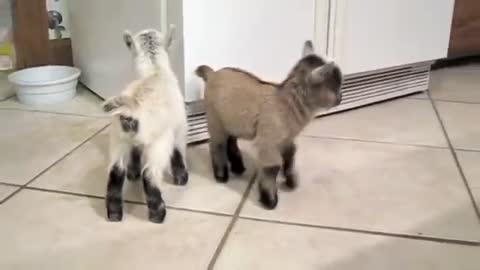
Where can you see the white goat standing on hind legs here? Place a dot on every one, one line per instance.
(149, 126)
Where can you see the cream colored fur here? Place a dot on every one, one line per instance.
(155, 100)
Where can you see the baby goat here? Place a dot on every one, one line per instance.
(149, 127)
(240, 105)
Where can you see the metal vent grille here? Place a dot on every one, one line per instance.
(197, 122)
(358, 90)
(366, 88)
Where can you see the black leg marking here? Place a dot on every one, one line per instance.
(219, 162)
(155, 203)
(235, 156)
(288, 156)
(268, 187)
(179, 170)
(114, 193)
(135, 166)
(129, 124)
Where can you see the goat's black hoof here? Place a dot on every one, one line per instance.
(237, 168)
(114, 216)
(157, 216)
(221, 174)
(291, 181)
(180, 178)
(267, 200)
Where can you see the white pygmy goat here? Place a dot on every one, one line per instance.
(149, 126)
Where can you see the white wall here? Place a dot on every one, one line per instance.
(264, 37)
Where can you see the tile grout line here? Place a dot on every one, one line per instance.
(83, 195)
(9, 184)
(455, 158)
(456, 101)
(375, 142)
(232, 223)
(332, 228)
(369, 232)
(56, 113)
(306, 225)
(444, 100)
(54, 163)
(467, 150)
(388, 143)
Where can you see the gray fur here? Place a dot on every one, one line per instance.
(241, 105)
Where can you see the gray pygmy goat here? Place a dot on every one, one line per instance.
(240, 105)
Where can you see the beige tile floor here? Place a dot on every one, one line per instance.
(394, 185)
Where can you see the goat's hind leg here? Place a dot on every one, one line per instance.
(114, 202)
(155, 203)
(157, 157)
(134, 169)
(179, 169)
(218, 152)
(218, 147)
(235, 156)
(178, 162)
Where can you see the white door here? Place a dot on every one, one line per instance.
(375, 34)
(98, 49)
(264, 37)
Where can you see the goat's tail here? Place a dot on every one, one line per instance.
(204, 72)
(115, 103)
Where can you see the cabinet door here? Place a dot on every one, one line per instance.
(375, 34)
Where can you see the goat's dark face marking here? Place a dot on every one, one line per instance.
(129, 124)
(324, 83)
(321, 80)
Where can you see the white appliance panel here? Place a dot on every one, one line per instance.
(376, 34)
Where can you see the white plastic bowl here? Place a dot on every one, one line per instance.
(46, 84)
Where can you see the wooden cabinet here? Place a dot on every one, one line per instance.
(32, 45)
(465, 35)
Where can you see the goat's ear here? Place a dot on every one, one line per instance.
(170, 37)
(308, 48)
(320, 74)
(128, 39)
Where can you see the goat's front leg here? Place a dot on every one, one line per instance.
(155, 203)
(116, 179)
(288, 156)
(268, 186)
(270, 160)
